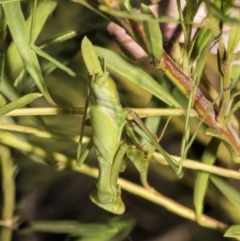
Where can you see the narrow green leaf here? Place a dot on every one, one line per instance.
(26, 99)
(231, 193)
(54, 61)
(8, 90)
(228, 4)
(19, 32)
(90, 58)
(235, 74)
(234, 38)
(66, 226)
(91, 7)
(93, 231)
(12, 94)
(14, 63)
(59, 38)
(202, 40)
(135, 16)
(233, 232)
(235, 107)
(8, 1)
(153, 35)
(219, 13)
(191, 10)
(128, 6)
(2, 62)
(123, 67)
(153, 122)
(201, 183)
(227, 143)
(200, 51)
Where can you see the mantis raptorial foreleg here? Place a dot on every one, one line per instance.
(141, 163)
(143, 131)
(144, 175)
(108, 121)
(141, 159)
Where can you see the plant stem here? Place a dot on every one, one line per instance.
(155, 197)
(201, 104)
(8, 189)
(198, 166)
(142, 112)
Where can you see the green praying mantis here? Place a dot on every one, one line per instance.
(109, 121)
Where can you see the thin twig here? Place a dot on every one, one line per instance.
(196, 165)
(142, 112)
(64, 161)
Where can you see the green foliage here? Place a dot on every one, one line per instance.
(233, 232)
(44, 71)
(20, 35)
(153, 35)
(105, 110)
(87, 232)
(201, 182)
(125, 68)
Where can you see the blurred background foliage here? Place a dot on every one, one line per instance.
(53, 204)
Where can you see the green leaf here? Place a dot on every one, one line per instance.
(66, 226)
(235, 74)
(14, 62)
(128, 6)
(227, 143)
(201, 183)
(153, 35)
(91, 7)
(200, 51)
(202, 40)
(153, 122)
(8, 1)
(2, 63)
(234, 38)
(19, 32)
(235, 107)
(135, 16)
(59, 38)
(90, 58)
(26, 99)
(233, 232)
(220, 13)
(54, 61)
(90, 231)
(228, 4)
(11, 93)
(231, 193)
(123, 67)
